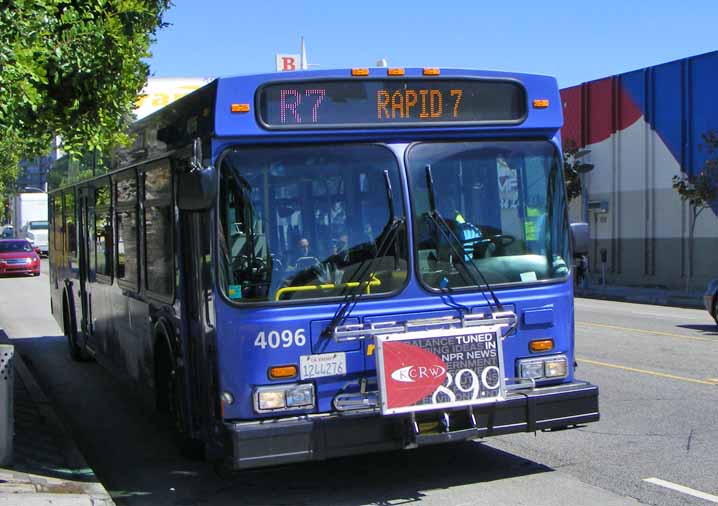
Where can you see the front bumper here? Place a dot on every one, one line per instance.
(319, 437)
(19, 269)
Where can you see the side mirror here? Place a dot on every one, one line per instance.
(196, 190)
(197, 185)
(580, 238)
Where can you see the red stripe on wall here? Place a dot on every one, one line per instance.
(589, 112)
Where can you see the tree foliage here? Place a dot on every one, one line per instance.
(700, 189)
(573, 166)
(71, 68)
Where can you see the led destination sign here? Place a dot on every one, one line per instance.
(389, 102)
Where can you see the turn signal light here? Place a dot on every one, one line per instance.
(360, 72)
(282, 372)
(240, 107)
(541, 345)
(540, 103)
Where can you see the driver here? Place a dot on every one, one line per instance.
(302, 251)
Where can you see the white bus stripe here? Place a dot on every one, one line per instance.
(685, 490)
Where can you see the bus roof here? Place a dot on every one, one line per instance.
(239, 107)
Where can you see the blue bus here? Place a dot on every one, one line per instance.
(303, 266)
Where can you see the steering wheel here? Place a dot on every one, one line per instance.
(502, 240)
(243, 265)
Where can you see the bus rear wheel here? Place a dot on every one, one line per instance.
(77, 352)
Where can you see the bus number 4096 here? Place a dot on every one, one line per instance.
(280, 339)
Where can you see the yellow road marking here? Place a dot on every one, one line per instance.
(713, 382)
(644, 331)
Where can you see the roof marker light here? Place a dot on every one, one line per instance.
(395, 72)
(360, 72)
(240, 107)
(540, 103)
(431, 71)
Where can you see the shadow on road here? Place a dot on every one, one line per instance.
(132, 452)
(706, 330)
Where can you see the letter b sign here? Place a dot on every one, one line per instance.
(287, 62)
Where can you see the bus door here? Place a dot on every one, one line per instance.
(86, 240)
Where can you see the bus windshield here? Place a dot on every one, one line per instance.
(504, 207)
(301, 222)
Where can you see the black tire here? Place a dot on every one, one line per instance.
(77, 352)
(715, 308)
(168, 395)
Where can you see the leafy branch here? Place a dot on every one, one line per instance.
(573, 166)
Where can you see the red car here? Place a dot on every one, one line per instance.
(17, 256)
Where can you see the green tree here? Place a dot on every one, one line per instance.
(73, 69)
(9, 168)
(700, 189)
(573, 166)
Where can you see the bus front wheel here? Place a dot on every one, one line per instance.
(169, 401)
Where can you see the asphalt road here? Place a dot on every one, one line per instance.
(656, 366)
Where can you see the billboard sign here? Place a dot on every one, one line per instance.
(439, 369)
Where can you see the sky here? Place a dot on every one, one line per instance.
(573, 41)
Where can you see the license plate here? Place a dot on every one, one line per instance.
(438, 369)
(319, 366)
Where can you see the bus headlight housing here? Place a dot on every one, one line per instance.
(283, 398)
(554, 366)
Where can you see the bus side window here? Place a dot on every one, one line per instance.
(103, 230)
(70, 230)
(57, 221)
(126, 227)
(159, 264)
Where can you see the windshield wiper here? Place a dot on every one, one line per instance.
(362, 273)
(443, 227)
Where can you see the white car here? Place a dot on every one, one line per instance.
(36, 233)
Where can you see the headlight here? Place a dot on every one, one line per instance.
(283, 398)
(531, 369)
(554, 366)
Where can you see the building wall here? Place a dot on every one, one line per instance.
(642, 128)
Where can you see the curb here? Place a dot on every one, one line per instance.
(41, 490)
(656, 300)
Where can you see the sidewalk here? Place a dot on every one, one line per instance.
(642, 295)
(47, 467)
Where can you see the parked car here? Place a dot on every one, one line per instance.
(17, 256)
(710, 299)
(7, 232)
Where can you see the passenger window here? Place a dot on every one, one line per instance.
(103, 230)
(70, 225)
(126, 216)
(159, 264)
(57, 222)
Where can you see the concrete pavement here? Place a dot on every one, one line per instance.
(47, 467)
